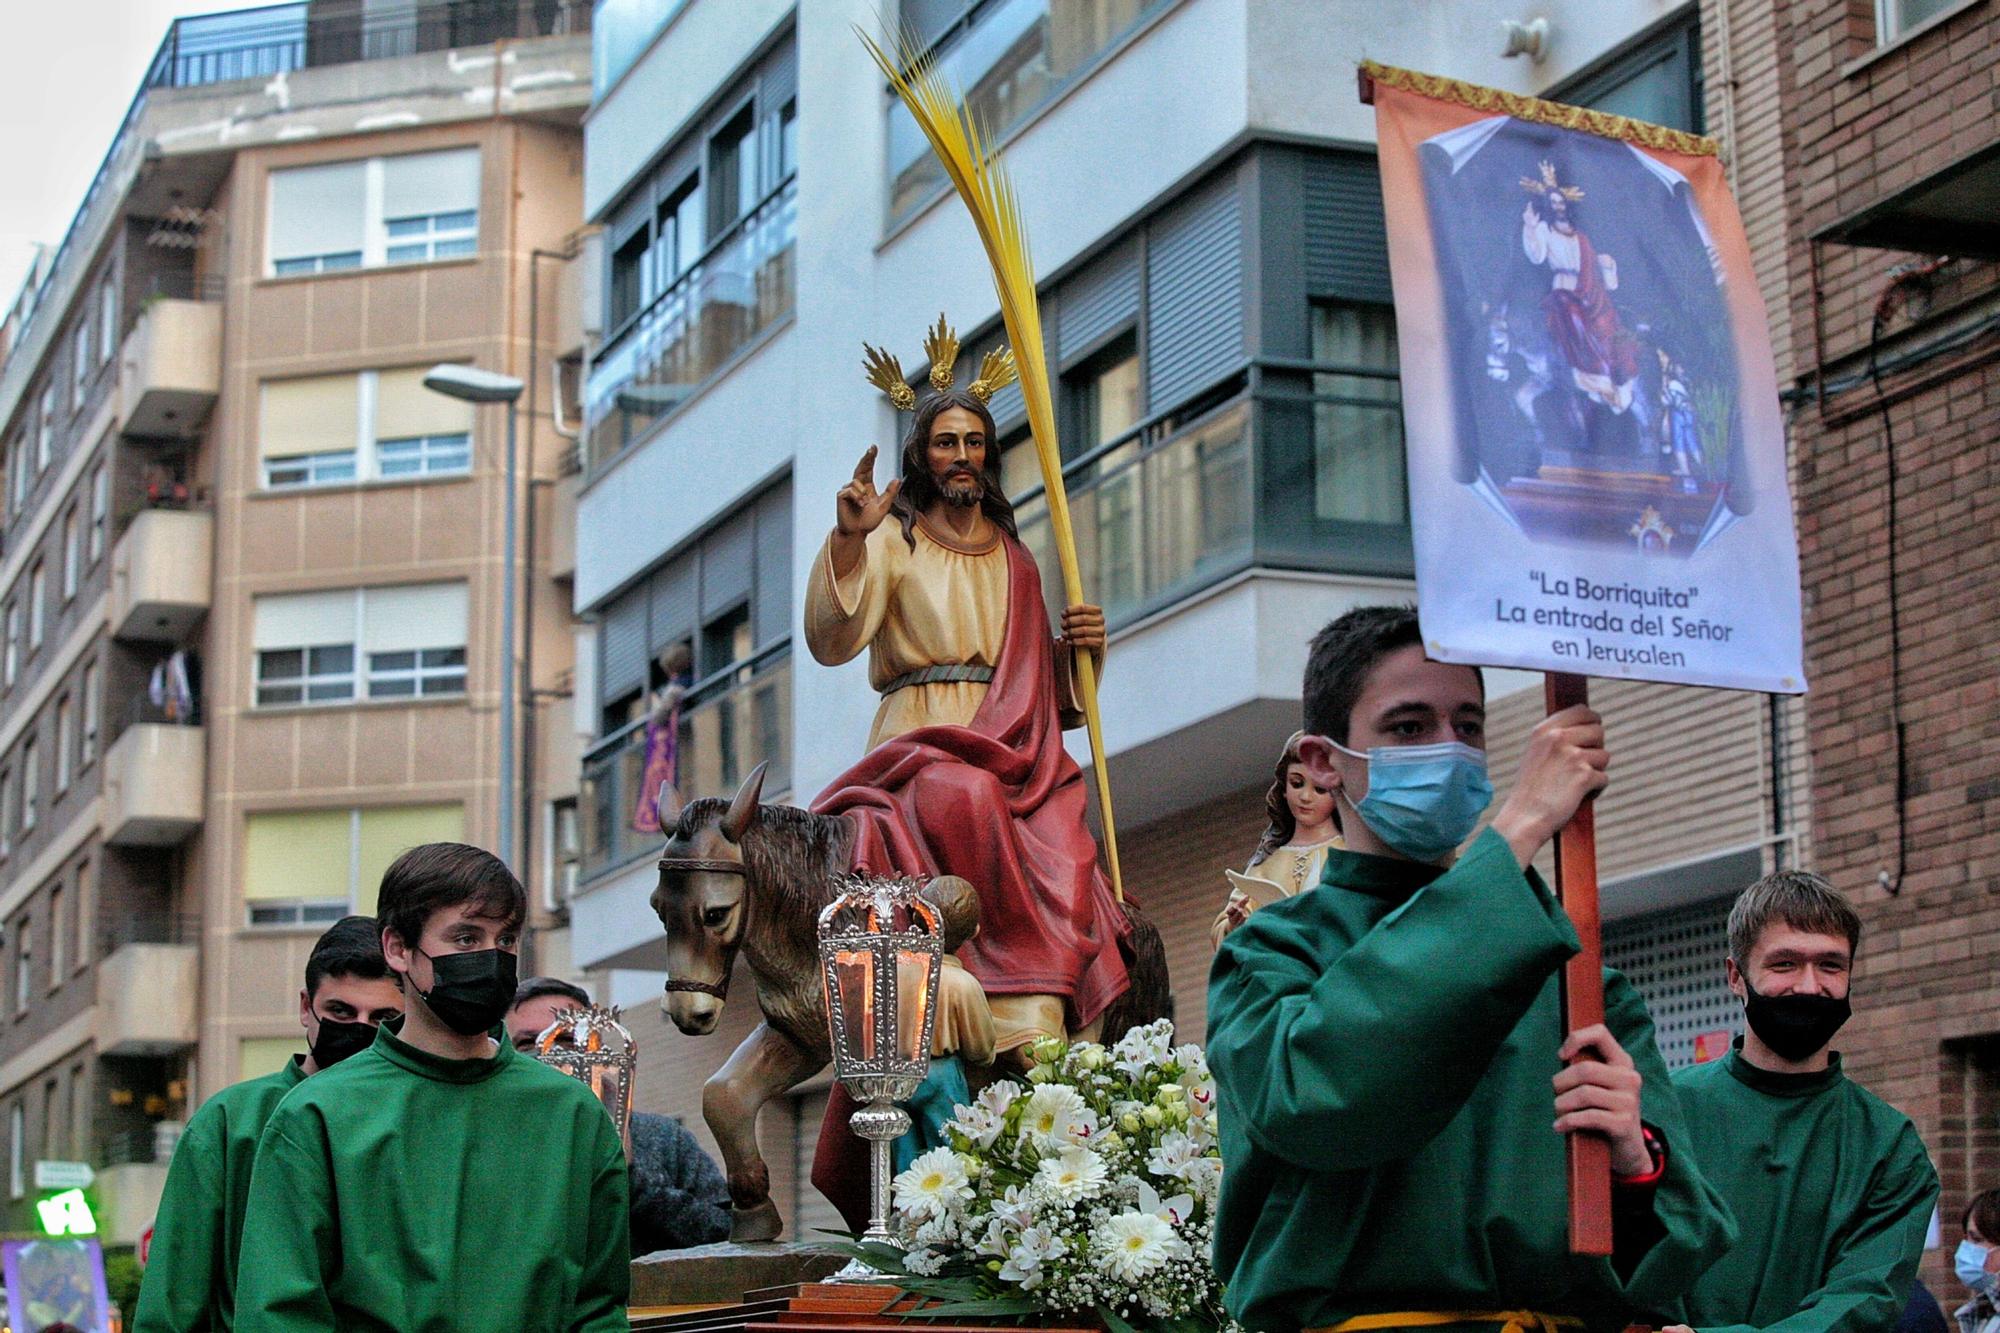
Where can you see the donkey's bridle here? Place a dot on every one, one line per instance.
(719, 991)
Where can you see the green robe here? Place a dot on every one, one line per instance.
(1833, 1190)
(190, 1280)
(403, 1193)
(1383, 1052)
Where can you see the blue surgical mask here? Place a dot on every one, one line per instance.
(1969, 1262)
(1423, 800)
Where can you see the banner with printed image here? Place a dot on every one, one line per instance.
(1596, 454)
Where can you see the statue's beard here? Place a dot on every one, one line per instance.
(963, 497)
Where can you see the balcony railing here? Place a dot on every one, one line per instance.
(145, 926)
(660, 356)
(727, 727)
(1308, 481)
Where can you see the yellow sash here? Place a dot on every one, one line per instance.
(1510, 1321)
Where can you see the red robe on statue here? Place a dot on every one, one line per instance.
(1000, 802)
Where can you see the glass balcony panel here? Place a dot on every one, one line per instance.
(718, 305)
(1198, 503)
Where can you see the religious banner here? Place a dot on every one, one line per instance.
(55, 1281)
(1596, 456)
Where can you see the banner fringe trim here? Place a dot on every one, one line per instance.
(1562, 116)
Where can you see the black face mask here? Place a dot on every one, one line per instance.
(337, 1040)
(470, 992)
(1794, 1026)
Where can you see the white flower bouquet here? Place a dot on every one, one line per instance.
(1089, 1191)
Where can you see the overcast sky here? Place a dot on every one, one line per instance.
(67, 73)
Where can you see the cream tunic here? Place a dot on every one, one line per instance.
(1292, 868)
(942, 604)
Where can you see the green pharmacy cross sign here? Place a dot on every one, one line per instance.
(67, 1214)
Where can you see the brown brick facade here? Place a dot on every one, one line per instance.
(1862, 123)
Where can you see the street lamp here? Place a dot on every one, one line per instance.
(472, 385)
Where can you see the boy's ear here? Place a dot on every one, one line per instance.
(1316, 757)
(395, 952)
(305, 1007)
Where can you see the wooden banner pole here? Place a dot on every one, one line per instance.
(1582, 989)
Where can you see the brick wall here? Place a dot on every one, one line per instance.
(1859, 126)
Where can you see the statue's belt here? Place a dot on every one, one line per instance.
(958, 673)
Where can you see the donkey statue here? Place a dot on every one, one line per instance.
(738, 876)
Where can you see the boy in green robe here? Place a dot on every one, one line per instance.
(190, 1280)
(1831, 1184)
(394, 1192)
(1388, 1054)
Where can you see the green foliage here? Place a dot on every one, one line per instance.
(121, 1277)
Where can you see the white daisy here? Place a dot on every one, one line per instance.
(1134, 1245)
(934, 1185)
(1071, 1176)
(1056, 1117)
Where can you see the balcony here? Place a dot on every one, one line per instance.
(155, 777)
(171, 368)
(160, 575)
(146, 998)
(660, 356)
(728, 725)
(128, 1199)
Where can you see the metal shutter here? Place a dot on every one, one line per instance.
(773, 600)
(1194, 285)
(623, 643)
(1098, 301)
(1347, 242)
(727, 561)
(1674, 959)
(673, 602)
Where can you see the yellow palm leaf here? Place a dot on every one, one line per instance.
(982, 183)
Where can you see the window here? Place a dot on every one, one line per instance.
(309, 867)
(24, 962)
(107, 320)
(377, 425)
(100, 507)
(17, 1150)
(383, 210)
(1658, 80)
(312, 647)
(65, 741)
(734, 183)
(12, 667)
(1103, 397)
(6, 811)
(79, 356)
(1010, 57)
(76, 1127)
(58, 936)
(45, 434)
(1357, 415)
(31, 785)
(1894, 18)
(17, 474)
(84, 871)
(87, 742)
(565, 852)
(71, 554)
(38, 597)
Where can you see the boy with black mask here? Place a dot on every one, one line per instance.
(191, 1277)
(384, 1192)
(1831, 1185)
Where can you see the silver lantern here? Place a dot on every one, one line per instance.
(593, 1047)
(880, 951)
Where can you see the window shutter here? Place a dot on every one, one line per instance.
(317, 210)
(412, 617)
(622, 638)
(422, 184)
(297, 854)
(1195, 288)
(309, 416)
(1347, 242)
(304, 619)
(673, 597)
(727, 562)
(773, 599)
(387, 834)
(1098, 301)
(405, 408)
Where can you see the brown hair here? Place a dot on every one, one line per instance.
(1796, 898)
(920, 489)
(1283, 824)
(1985, 1211)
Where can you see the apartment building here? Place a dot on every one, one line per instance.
(1200, 186)
(253, 568)
(1892, 176)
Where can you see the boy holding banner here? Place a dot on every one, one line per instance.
(1388, 1051)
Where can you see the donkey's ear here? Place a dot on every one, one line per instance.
(667, 806)
(743, 807)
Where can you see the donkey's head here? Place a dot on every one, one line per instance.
(703, 899)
